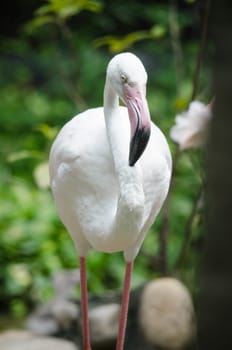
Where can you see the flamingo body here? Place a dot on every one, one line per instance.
(85, 185)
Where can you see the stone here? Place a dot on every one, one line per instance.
(166, 314)
(61, 311)
(104, 321)
(24, 340)
(52, 317)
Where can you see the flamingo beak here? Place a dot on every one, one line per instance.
(140, 121)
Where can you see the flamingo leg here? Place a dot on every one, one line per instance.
(124, 307)
(84, 305)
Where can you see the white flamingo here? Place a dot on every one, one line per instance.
(110, 170)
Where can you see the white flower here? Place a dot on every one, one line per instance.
(191, 127)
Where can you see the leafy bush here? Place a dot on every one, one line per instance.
(53, 79)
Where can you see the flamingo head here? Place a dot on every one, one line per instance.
(128, 78)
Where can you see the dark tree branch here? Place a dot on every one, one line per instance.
(188, 230)
(71, 87)
(201, 50)
(215, 301)
(175, 42)
(165, 225)
(188, 226)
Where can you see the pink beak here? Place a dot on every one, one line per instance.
(140, 121)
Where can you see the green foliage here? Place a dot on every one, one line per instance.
(67, 8)
(117, 44)
(60, 10)
(54, 78)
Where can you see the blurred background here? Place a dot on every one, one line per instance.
(53, 57)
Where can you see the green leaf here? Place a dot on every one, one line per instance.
(38, 22)
(117, 44)
(158, 31)
(19, 278)
(44, 10)
(48, 131)
(41, 175)
(23, 154)
(67, 8)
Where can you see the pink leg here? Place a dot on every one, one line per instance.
(84, 305)
(125, 305)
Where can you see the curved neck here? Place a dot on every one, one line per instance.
(129, 211)
(113, 121)
(118, 133)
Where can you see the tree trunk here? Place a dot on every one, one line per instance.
(215, 301)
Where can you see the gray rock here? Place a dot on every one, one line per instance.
(52, 317)
(64, 282)
(104, 321)
(59, 313)
(166, 314)
(24, 340)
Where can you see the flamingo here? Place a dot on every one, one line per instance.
(110, 170)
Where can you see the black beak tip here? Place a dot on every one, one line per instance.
(132, 162)
(138, 145)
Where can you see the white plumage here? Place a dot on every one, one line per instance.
(103, 201)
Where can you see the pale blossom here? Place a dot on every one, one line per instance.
(191, 126)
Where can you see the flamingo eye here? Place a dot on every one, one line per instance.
(123, 78)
